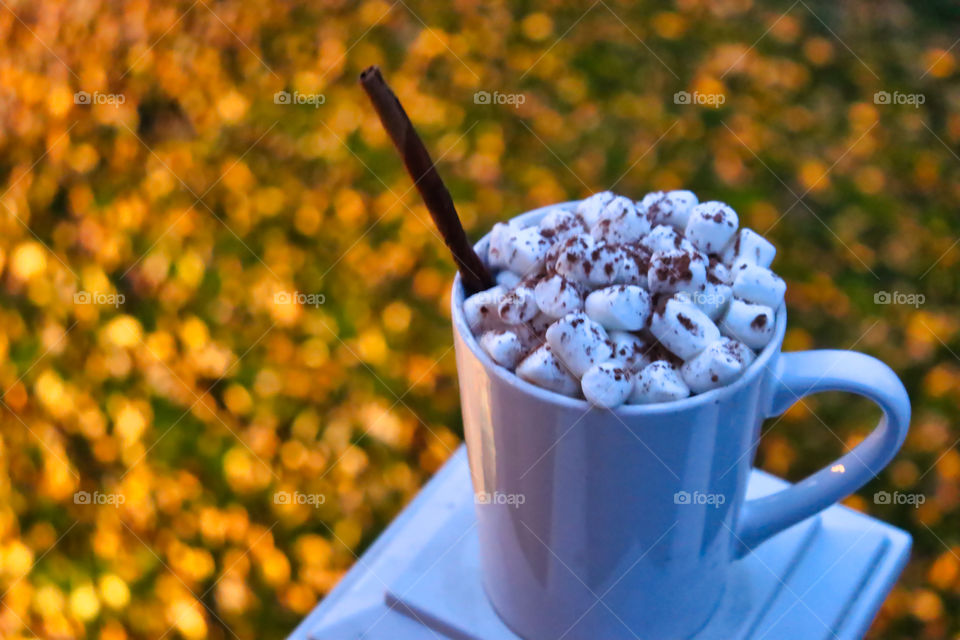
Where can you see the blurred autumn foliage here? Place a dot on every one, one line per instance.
(211, 293)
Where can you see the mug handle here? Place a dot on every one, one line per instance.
(802, 373)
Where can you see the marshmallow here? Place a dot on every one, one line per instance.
(573, 256)
(671, 208)
(606, 264)
(518, 306)
(590, 208)
(740, 350)
(682, 202)
(749, 247)
(558, 224)
(530, 336)
(554, 252)
(711, 226)
(625, 307)
(631, 351)
(539, 325)
(507, 279)
(480, 309)
(759, 285)
(578, 342)
(524, 250)
(658, 382)
(606, 385)
(503, 347)
(664, 238)
(620, 222)
(712, 298)
(649, 206)
(634, 268)
(752, 324)
(683, 329)
(717, 272)
(543, 369)
(582, 260)
(676, 270)
(718, 365)
(497, 247)
(557, 296)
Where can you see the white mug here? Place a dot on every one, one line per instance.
(618, 524)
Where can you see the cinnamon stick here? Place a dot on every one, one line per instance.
(435, 195)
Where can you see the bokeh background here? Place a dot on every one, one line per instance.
(210, 295)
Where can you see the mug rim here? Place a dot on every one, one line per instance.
(506, 376)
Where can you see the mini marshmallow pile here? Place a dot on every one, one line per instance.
(622, 301)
